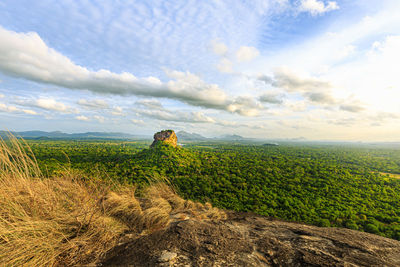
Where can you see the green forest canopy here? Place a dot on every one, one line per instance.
(325, 185)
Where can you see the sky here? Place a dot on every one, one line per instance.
(316, 69)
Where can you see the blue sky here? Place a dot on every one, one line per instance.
(323, 70)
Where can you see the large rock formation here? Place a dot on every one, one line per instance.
(251, 240)
(166, 137)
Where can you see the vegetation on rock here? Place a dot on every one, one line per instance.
(165, 137)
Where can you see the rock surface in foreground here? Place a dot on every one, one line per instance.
(252, 240)
(166, 137)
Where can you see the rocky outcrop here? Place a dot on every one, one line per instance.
(166, 137)
(251, 240)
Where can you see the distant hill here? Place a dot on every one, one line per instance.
(231, 137)
(185, 136)
(271, 144)
(61, 135)
(182, 136)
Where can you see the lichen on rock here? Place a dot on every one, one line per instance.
(165, 137)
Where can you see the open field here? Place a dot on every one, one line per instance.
(391, 175)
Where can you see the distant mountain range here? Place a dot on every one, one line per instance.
(232, 137)
(61, 135)
(185, 136)
(182, 136)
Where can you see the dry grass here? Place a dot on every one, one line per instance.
(165, 198)
(49, 221)
(72, 221)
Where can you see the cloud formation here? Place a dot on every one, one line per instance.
(153, 109)
(93, 103)
(285, 79)
(139, 122)
(219, 48)
(315, 90)
(225, 66)
(246, 53)
(82, 118)
(271, 98)
(354, 108)
(26, 55)
(320, 97)
(100, 119)
(149, 103)
(12, 109)
(117, 111)
(360, 59)
(347, 122)
(316, 7)
(245, 106)
(49, 104)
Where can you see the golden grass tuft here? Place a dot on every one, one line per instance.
(68, 220)
(162, 195)
(124, 207)
(44, 222)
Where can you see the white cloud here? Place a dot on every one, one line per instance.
(325, 69)
(314, 89)
(149, 103)
(383, 117)
(117, 111)
(347, 122)
(298, 106)
(27, 56)
(373, 77)
(100, 119)
(29, 111)
(51, 104)
(227, 123)
(219, 48)
(246, 53)
(6, 108)
(320, 97)
(291, 82)
(352, 108)
(139, 122)
(316, 7)
(245, 106)
(153, 109)
(93, 103)
(193, 90)
(359, 60)
(235, 125)
(82, 118)
(2, 96)
(10, 109)
(225, 65)
(271, 98)
(344, 51)
(176, 116)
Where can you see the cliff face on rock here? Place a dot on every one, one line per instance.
(251, 240)
(166, 137)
